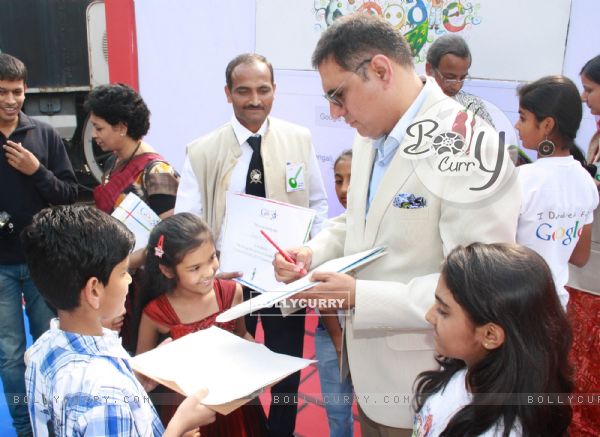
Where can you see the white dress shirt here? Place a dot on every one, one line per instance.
(188, 193)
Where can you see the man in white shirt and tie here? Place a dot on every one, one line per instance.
(251, 154)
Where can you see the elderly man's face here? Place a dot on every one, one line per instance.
(356, 97)
(451, 73)
(251, 94)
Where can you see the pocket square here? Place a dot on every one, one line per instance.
(409, 201)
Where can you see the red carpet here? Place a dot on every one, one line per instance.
(312, 419)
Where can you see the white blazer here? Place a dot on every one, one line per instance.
(387, 337)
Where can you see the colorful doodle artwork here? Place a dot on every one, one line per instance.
(420, 21)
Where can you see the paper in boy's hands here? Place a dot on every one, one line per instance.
(234, 370)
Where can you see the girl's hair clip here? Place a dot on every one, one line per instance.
(158, 249)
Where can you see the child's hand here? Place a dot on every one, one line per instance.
(190, 414)
(229, 275)
(148, 383)
(114, 324)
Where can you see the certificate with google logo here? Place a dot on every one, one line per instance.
(245, 249)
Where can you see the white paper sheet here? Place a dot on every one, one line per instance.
(265, 300)
(245, 250)
(138, 217)
(230, 367)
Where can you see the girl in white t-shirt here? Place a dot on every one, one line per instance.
(502, 340)
(558, 195)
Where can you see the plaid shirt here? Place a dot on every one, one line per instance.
(81, 385)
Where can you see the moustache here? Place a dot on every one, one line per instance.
(254, 107)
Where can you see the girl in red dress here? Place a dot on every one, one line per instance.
(181, 295)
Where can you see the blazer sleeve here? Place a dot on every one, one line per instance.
(329, 242)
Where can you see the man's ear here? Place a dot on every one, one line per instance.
(382, 66)
(167, 271)
(428, 71)
(492, 336)
(92, 292)
(227, 93)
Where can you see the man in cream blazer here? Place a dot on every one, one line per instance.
(221, 161)
(414, 191)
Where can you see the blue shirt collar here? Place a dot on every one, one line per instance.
(387, 145)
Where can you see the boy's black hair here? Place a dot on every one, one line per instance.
(65, 246)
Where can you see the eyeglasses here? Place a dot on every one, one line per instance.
(332, 96)
(448, 81)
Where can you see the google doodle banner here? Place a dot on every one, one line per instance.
(509, 39)
(421, 22)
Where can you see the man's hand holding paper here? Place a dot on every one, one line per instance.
(337, 291)
(332, 286)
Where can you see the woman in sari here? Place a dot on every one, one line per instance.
(120, 119)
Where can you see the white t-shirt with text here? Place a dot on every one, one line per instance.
(558, 200)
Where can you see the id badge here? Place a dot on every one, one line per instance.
(294, 177)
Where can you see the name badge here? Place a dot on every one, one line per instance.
(294, 177)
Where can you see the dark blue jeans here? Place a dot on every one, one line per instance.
(337, 396)
(15, 283)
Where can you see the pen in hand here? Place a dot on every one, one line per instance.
(283, 253)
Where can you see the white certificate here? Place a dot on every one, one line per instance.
(138, 217)
(244, 249)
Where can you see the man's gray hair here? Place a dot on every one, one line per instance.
(447, 45)
(354, 38)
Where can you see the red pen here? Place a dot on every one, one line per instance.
(283, 253)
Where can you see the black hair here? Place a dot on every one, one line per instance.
(511, 286)
(180, 233)
(65, 246)
(578, 155)
(245, 58)
(119, 103)
(556, 97)
(354, 38)
(447, 45)
(591, 69)
(12, 69)
(345, 154)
